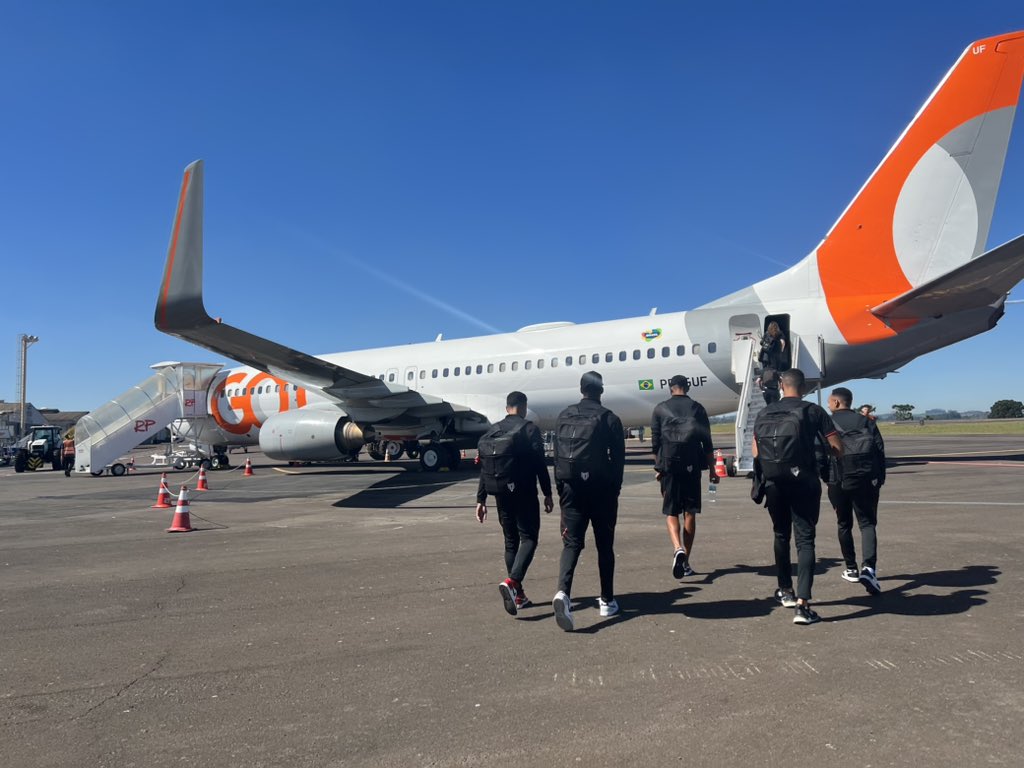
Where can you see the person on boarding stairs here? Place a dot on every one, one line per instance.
(773, 362)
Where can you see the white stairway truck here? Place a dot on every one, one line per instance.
(176, 391)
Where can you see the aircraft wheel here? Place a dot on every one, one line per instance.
(117, 469)
(179, 463)
(412, 449)
(394, 449)
(432, 457)
(375, 451)
(206, 464)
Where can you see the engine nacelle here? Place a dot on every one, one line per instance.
(310, 435)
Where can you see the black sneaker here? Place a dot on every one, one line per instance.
(804, 615)
(786, 598)
(870, 580)
(679, 564)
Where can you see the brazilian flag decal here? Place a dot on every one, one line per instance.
(646, 384)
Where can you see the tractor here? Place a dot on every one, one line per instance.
(39, 447)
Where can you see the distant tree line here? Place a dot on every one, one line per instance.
(1006, 409)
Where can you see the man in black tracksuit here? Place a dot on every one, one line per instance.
(681, 441)
(518, 510)
(794, 498)
(592, 498)
(861, 499)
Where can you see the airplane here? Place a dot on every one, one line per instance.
(901, 273)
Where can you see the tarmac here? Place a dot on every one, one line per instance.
(349, 616)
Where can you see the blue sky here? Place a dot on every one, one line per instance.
(379, 172)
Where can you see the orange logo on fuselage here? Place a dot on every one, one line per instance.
(242, 413)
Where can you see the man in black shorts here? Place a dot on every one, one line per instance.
(681, 442)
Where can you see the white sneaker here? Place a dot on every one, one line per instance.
(563, 611)
(609, 607)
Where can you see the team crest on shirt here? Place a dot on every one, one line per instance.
(651, 335)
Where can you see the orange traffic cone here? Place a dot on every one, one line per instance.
(248, 468)
(163, 496)
(387, 455)
(181, 523)
(720, 468)
(201, 482)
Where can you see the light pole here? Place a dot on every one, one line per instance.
(26, 342)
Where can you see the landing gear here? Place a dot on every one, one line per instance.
(412, 449)
(434, 456)
(391, 449)
(220, 461)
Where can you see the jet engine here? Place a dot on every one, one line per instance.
(310, 435)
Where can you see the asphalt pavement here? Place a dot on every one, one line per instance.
(349, 616)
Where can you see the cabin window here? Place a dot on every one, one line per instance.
(554, 362)
(681, 350)
(433, 374)
(712, 347)
(423, 373)
(568, 361)
(501, 367)
(650, 353)
(457, 371)
(583, 359)
(528, 364)
(410, 375)
(490, 367)
(391, 377)
(636, 354)
(595, 358)
(622, 357)
(445, 373)
(479, 369)
(696, 349)
(666, 351)
(540, 364)
(515, 365)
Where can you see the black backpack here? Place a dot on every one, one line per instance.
(681, 446)
(861, 461)
(499, 449)
(581, 445)
(779, 435)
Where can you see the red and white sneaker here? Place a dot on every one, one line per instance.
(522, 601)
(509, 593)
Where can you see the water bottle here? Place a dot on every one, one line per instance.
(712, 492)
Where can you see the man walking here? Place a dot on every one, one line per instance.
(590, 457)
(681, 442)
(67, 453)
(854, 485)
(784, 436)
(512, 462)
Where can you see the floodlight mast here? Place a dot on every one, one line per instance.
(26, 342)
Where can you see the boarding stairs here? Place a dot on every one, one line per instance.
(176, 391)
(748, 370)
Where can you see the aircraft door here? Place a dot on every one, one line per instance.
(410, 377)
(391, 376)
(744, 336)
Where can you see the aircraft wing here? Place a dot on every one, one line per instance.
(180, 312)
(984, 280)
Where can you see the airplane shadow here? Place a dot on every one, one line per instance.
(902, 601)
(404, 487)
(902, 461)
